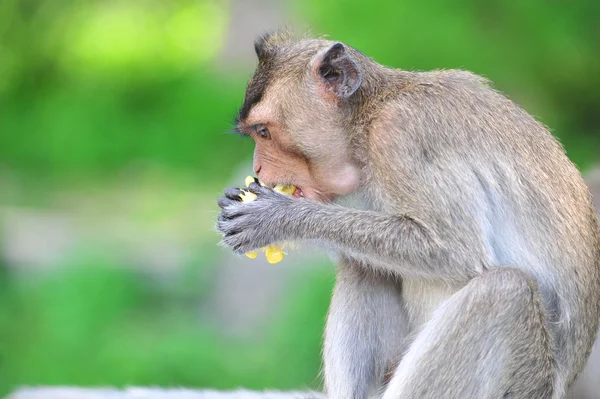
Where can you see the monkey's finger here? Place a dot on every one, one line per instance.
(227, 241)
(227, 228)
(242, 247)
(256, 188)
(229, 216)
(233, 240)
(238, 250)
(233, 193)
(226, 201)
(231, 212)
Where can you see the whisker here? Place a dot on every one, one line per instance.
(237, 131)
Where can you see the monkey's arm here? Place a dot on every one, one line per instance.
(399, 244)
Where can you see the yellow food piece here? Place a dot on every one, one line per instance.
(287, 190)
(252, 254)
(249, 180)
(274, 253)
(247, 196)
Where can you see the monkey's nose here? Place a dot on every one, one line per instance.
(257, 169)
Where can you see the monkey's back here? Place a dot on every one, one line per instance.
(468, 160)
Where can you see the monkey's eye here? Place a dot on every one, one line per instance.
(263, 132)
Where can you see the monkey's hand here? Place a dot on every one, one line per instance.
(256, 224)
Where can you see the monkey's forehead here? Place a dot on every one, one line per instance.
(267, 75)
(284, 59)
(255, 91)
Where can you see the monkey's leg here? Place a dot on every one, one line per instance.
(364, 334)
(489, 340)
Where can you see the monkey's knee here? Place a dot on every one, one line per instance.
(508, 278)
(509, 296)
(504, 284)
(488, 340)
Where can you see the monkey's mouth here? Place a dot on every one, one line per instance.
(287, 189)
(298, 193)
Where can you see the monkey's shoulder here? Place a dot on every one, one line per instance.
(460, 109)
(451, 78)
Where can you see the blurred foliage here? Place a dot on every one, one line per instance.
(92, 324)
(91, 89)
(81, 131)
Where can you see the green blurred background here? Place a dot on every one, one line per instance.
(112, 155)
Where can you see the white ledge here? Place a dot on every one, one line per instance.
(154, 393)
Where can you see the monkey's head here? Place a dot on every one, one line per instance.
(298, 109)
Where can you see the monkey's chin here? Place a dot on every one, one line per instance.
(314, 195)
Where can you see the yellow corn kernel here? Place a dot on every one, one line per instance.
(287, 190)
(247, 196)
(252, 254)
(274, 254)
(249, 180)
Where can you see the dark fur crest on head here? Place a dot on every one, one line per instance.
(283, 53)
(266, 47)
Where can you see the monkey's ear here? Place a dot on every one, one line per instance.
(338, 71)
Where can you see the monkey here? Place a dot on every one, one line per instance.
(469, 266)
(593, 181)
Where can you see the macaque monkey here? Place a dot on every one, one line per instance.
(471, 268)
